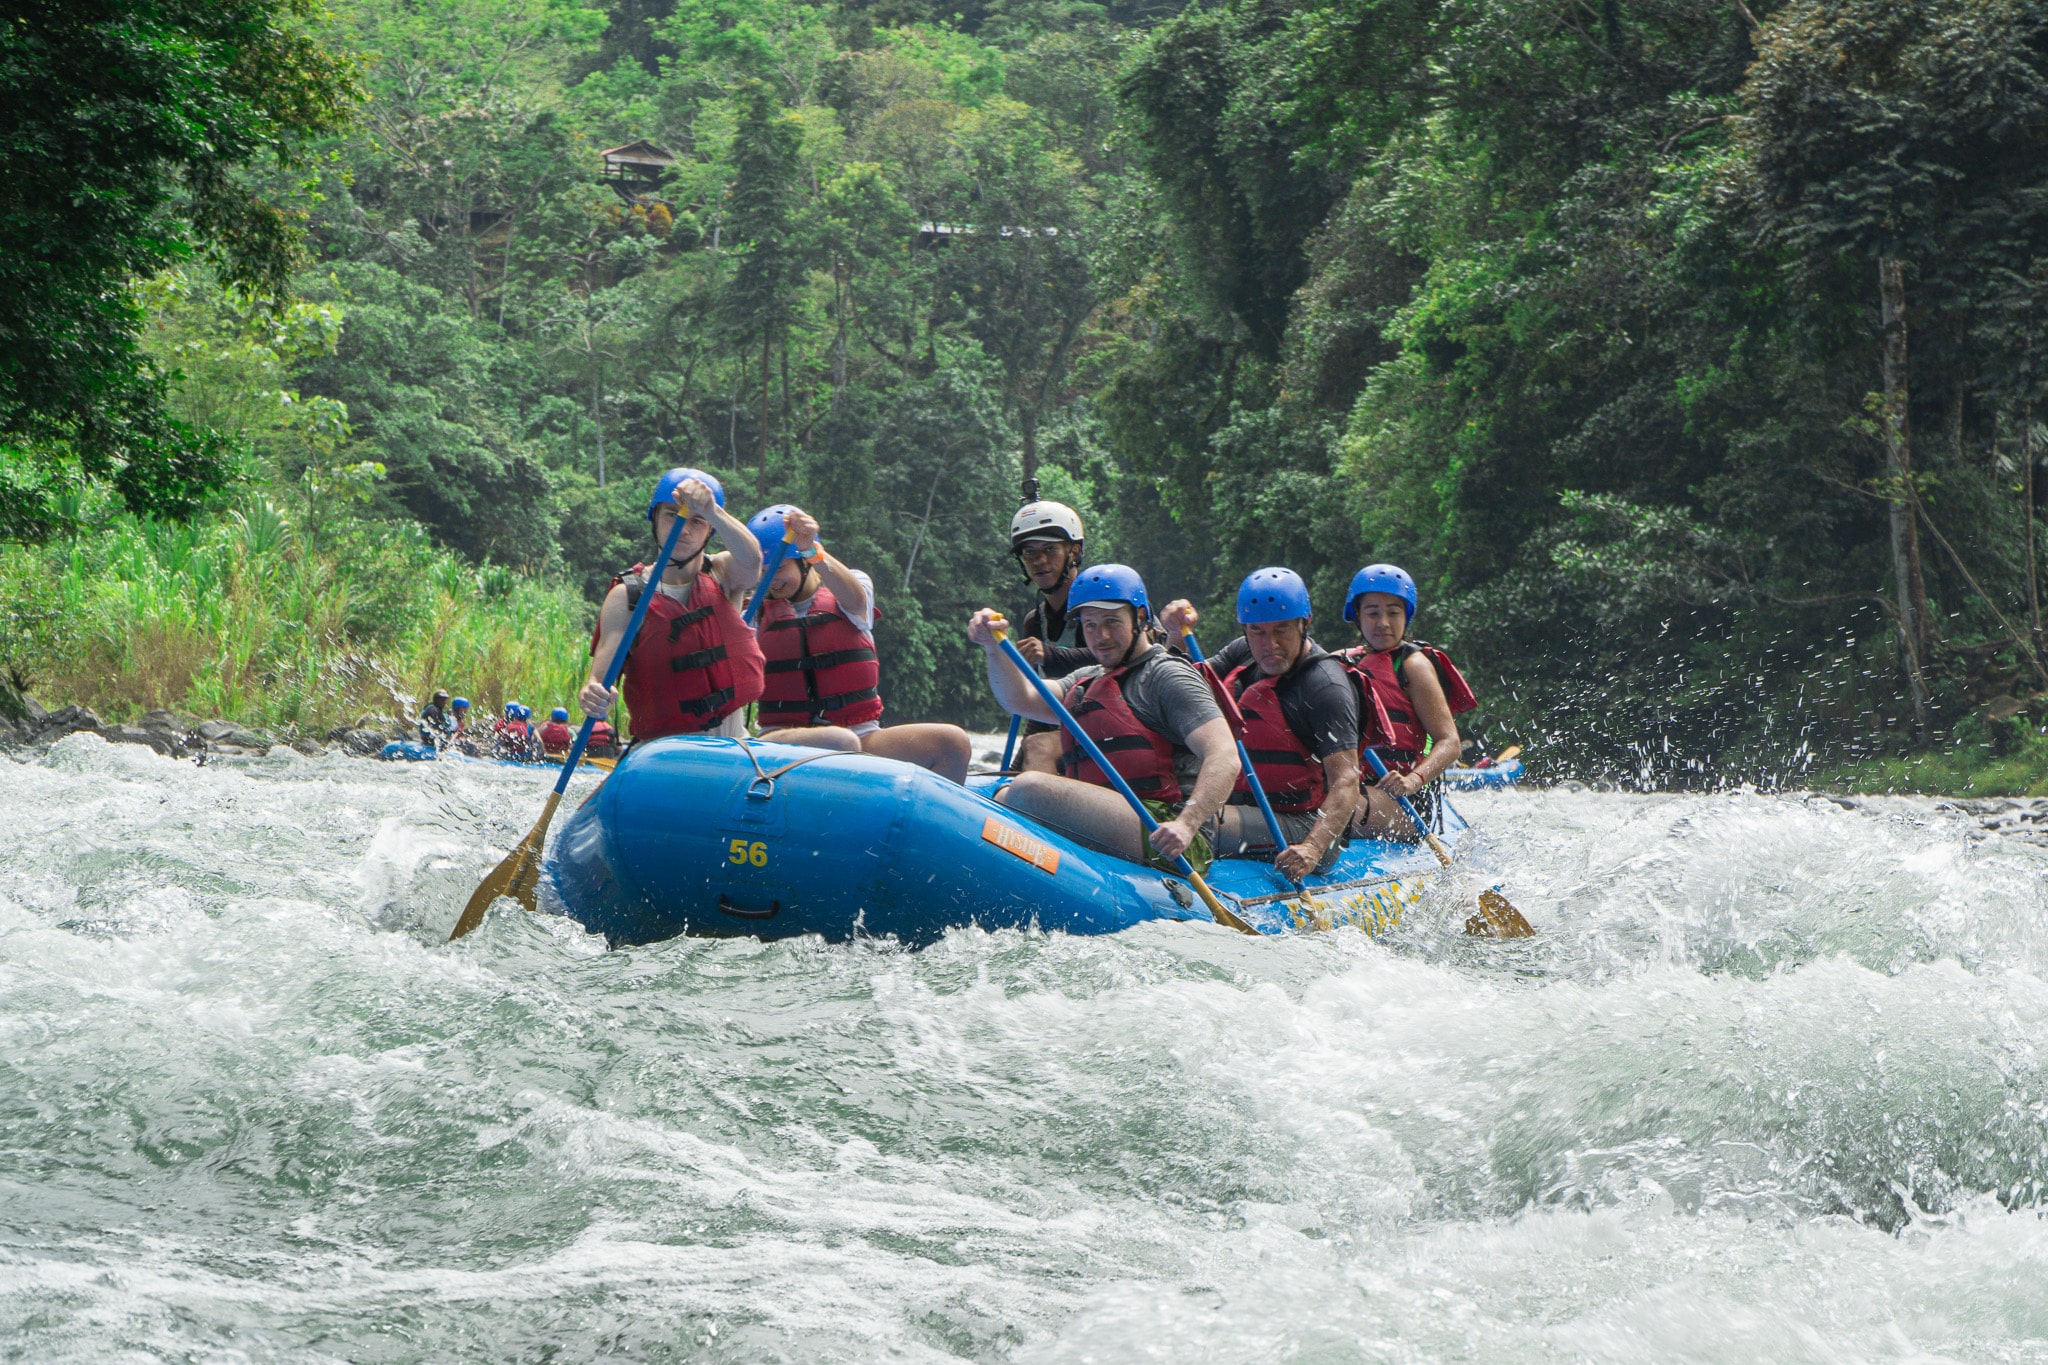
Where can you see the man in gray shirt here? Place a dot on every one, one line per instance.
(1151, 713)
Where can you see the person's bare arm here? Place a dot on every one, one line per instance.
(852, 595)
(1418, 675)
(1212, 743)
(1013, 690)
(596, 698)
(738, 566)
(1340, 798)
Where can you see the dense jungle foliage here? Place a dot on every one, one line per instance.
(1682, 348)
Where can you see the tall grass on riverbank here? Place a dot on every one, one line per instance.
(257, 616)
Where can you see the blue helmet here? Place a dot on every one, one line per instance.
(460, 704)
(1110, 583)
(767, 526)
(514, 711)
(1387, 578)
(559, 713)
(1272, 595)
(665, 489)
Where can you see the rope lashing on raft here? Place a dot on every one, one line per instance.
(762, 775)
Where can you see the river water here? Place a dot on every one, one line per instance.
(1770, 1085)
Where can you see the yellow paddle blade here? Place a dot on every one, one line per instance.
(1498, 918)
(1217, 911)
(1436, 846)
(518, 876)
(1505, 754)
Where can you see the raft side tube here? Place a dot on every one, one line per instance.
(688, 836)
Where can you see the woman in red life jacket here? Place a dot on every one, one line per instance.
(1150, 712)
(1421, 690)
(1300, 711)
(823, 681)
(695, 664)
(556, 736)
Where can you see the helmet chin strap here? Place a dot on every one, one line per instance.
(804, 572)
(1073, 565)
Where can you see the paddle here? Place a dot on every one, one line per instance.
(1052, 701)
(519, 874)
(1244, 755)
(1436, 846)
(768, 572)
(1501, 920)
(1010, 744)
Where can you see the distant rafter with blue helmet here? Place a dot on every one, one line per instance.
(559, 713)
(1272, 594)
(1387, 578)
(1110, 583)
(768, 526)
(665, 489)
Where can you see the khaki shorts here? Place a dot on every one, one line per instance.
(1253, 840)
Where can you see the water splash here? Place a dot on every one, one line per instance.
(1769, 1085)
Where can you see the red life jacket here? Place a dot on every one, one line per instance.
(692, 665)
(1379, 674)
(1288, 770)
(602, 737)
(556, 737)
(821, 667)
(1143, 757)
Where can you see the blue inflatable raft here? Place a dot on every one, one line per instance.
(718, 838)
(1478, 779)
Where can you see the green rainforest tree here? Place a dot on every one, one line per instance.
(133, 135)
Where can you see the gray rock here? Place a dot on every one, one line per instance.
(309, 746)
(162, 720)
(164, 744)
(215, 729)
(63, 721)
(33, 713)
(362, 742)
(249, 739)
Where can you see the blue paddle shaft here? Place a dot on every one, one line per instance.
(618, 663)
(768, 572)
(1379, 769)
(1095, 755)
(1251, 776)
(1010, 745)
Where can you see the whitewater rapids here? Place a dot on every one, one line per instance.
(1769, 1086)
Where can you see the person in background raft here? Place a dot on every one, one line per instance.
(461, 737)
(823, 680)
(1421, 690)
(512, 736)
(1300, 712)
(695, 665)
(1047, 539)
(1151, 713)
(437, 727)
(556, 736)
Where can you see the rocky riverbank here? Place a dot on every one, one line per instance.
(35, 727)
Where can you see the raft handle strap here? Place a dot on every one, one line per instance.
(762, 788)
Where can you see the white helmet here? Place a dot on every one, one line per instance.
(1045, 521)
